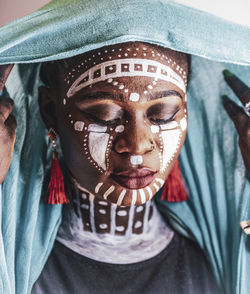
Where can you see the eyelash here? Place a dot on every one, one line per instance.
(164, 121)
(103, 122)
(115, 121)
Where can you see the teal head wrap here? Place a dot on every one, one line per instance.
(210, 159)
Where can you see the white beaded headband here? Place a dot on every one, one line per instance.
(130, 67)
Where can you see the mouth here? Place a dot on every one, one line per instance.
(134, 178)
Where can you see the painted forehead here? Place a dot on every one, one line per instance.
(125, 60)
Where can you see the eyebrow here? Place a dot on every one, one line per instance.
(162, 94)
(102, 95)
(120, 97)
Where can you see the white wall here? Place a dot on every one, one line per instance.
(237, 10)
(13, 9)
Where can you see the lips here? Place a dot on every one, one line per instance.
(134, 178)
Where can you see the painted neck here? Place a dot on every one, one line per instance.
(102, 217)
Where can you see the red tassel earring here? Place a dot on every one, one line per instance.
(174, 190)
(56, 190)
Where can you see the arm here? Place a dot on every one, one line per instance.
(7, 125)
(239, 115)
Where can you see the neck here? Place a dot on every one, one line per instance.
(105, 232)
(102, 217)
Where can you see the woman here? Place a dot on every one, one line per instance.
(203, 222)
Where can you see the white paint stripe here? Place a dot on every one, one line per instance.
(98, 186)
(112, 219)
(134, 197)
(108, 192)
(156, 187)
(146, 214)
(160, 181)
(149, 192)
(121, 196)
(142, 194)
(171, 76)
(92, 213)
(130, 220)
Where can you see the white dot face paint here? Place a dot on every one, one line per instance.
(136, 159)
(79, 125)
(134, 97)
(119, 129)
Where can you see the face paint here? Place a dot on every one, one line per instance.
(130, 82)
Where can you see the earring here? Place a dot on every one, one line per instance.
(174, 189)
(56, 190)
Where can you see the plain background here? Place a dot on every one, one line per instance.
(237, 10)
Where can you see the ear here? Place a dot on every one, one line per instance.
(47, 103)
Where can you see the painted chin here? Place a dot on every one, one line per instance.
(137, 182)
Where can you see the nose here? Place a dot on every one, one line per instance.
(136, 140)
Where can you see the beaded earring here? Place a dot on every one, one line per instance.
(174, 189)
(56, 190)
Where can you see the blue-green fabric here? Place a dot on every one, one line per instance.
(210, 160)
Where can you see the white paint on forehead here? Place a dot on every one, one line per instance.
(142, 195)
(155, 129)
(136, 159)
(79, 126)
(134, 97)
(98, 143)
(97, 128)
(183, 124)
(170, 140)
(170, 125)
(119, 129)
(162, 72)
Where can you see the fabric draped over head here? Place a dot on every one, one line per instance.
(210, 160)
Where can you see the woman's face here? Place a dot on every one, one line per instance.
(122, 119)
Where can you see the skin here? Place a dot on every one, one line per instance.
(237, 114)
(8, 124)
(112, 108)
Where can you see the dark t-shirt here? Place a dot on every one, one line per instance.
(181, 268)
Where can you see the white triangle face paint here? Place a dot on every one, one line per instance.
(98, 143)
(170, 140)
